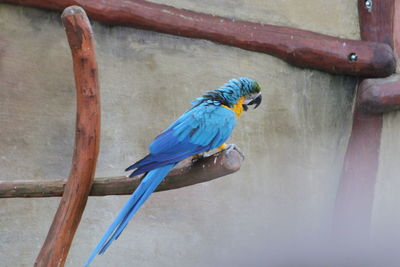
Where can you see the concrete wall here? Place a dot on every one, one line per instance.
(294, 142)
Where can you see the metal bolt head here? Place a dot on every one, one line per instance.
(368, 5)
(352, 57)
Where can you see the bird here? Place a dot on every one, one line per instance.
(204, 127)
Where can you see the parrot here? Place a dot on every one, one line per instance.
(202, 128)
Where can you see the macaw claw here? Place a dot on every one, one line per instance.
(231, 147)
(227, 148)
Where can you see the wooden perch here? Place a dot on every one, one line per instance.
(298, 47)
(87, 137)
(380, 95)
(185, 174)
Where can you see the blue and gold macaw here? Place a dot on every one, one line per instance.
(207, 125)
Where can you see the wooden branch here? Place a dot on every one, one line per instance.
(87, 138)
(185, 174)
(380, 95)
(356, 189)
(298, 47)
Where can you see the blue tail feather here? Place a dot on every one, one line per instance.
(129, 215)
(144, 190)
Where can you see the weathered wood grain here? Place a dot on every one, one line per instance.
(87, 138)
(298, 47)
(187, 173)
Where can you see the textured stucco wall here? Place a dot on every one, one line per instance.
(294, 142)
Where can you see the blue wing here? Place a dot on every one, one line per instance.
(202, 128)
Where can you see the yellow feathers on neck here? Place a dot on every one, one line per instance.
(238, 107)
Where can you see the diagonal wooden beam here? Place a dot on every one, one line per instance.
(87, 138)
(187, 173)
(298, 47)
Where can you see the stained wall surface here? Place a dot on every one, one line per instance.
(294, 142)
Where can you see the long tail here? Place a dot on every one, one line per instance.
(144, 190)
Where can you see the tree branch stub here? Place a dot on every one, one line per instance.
(380, 95)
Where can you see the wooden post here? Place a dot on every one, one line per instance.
(299, 47)
(383, 95)
(356, 189)
(87, 137)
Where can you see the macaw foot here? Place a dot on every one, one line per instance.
(224, 147)
(230, 147)
(203, 155)
(197, 157)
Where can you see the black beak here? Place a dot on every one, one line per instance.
(256, 101)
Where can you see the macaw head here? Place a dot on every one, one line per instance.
(250, 93)
(236, 94)
(240, 93)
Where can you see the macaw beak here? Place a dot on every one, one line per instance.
(253, 100)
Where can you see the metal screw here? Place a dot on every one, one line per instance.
(368, 5)
(352, 57)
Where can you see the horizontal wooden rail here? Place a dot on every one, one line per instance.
(185, 174)
(298, 47)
